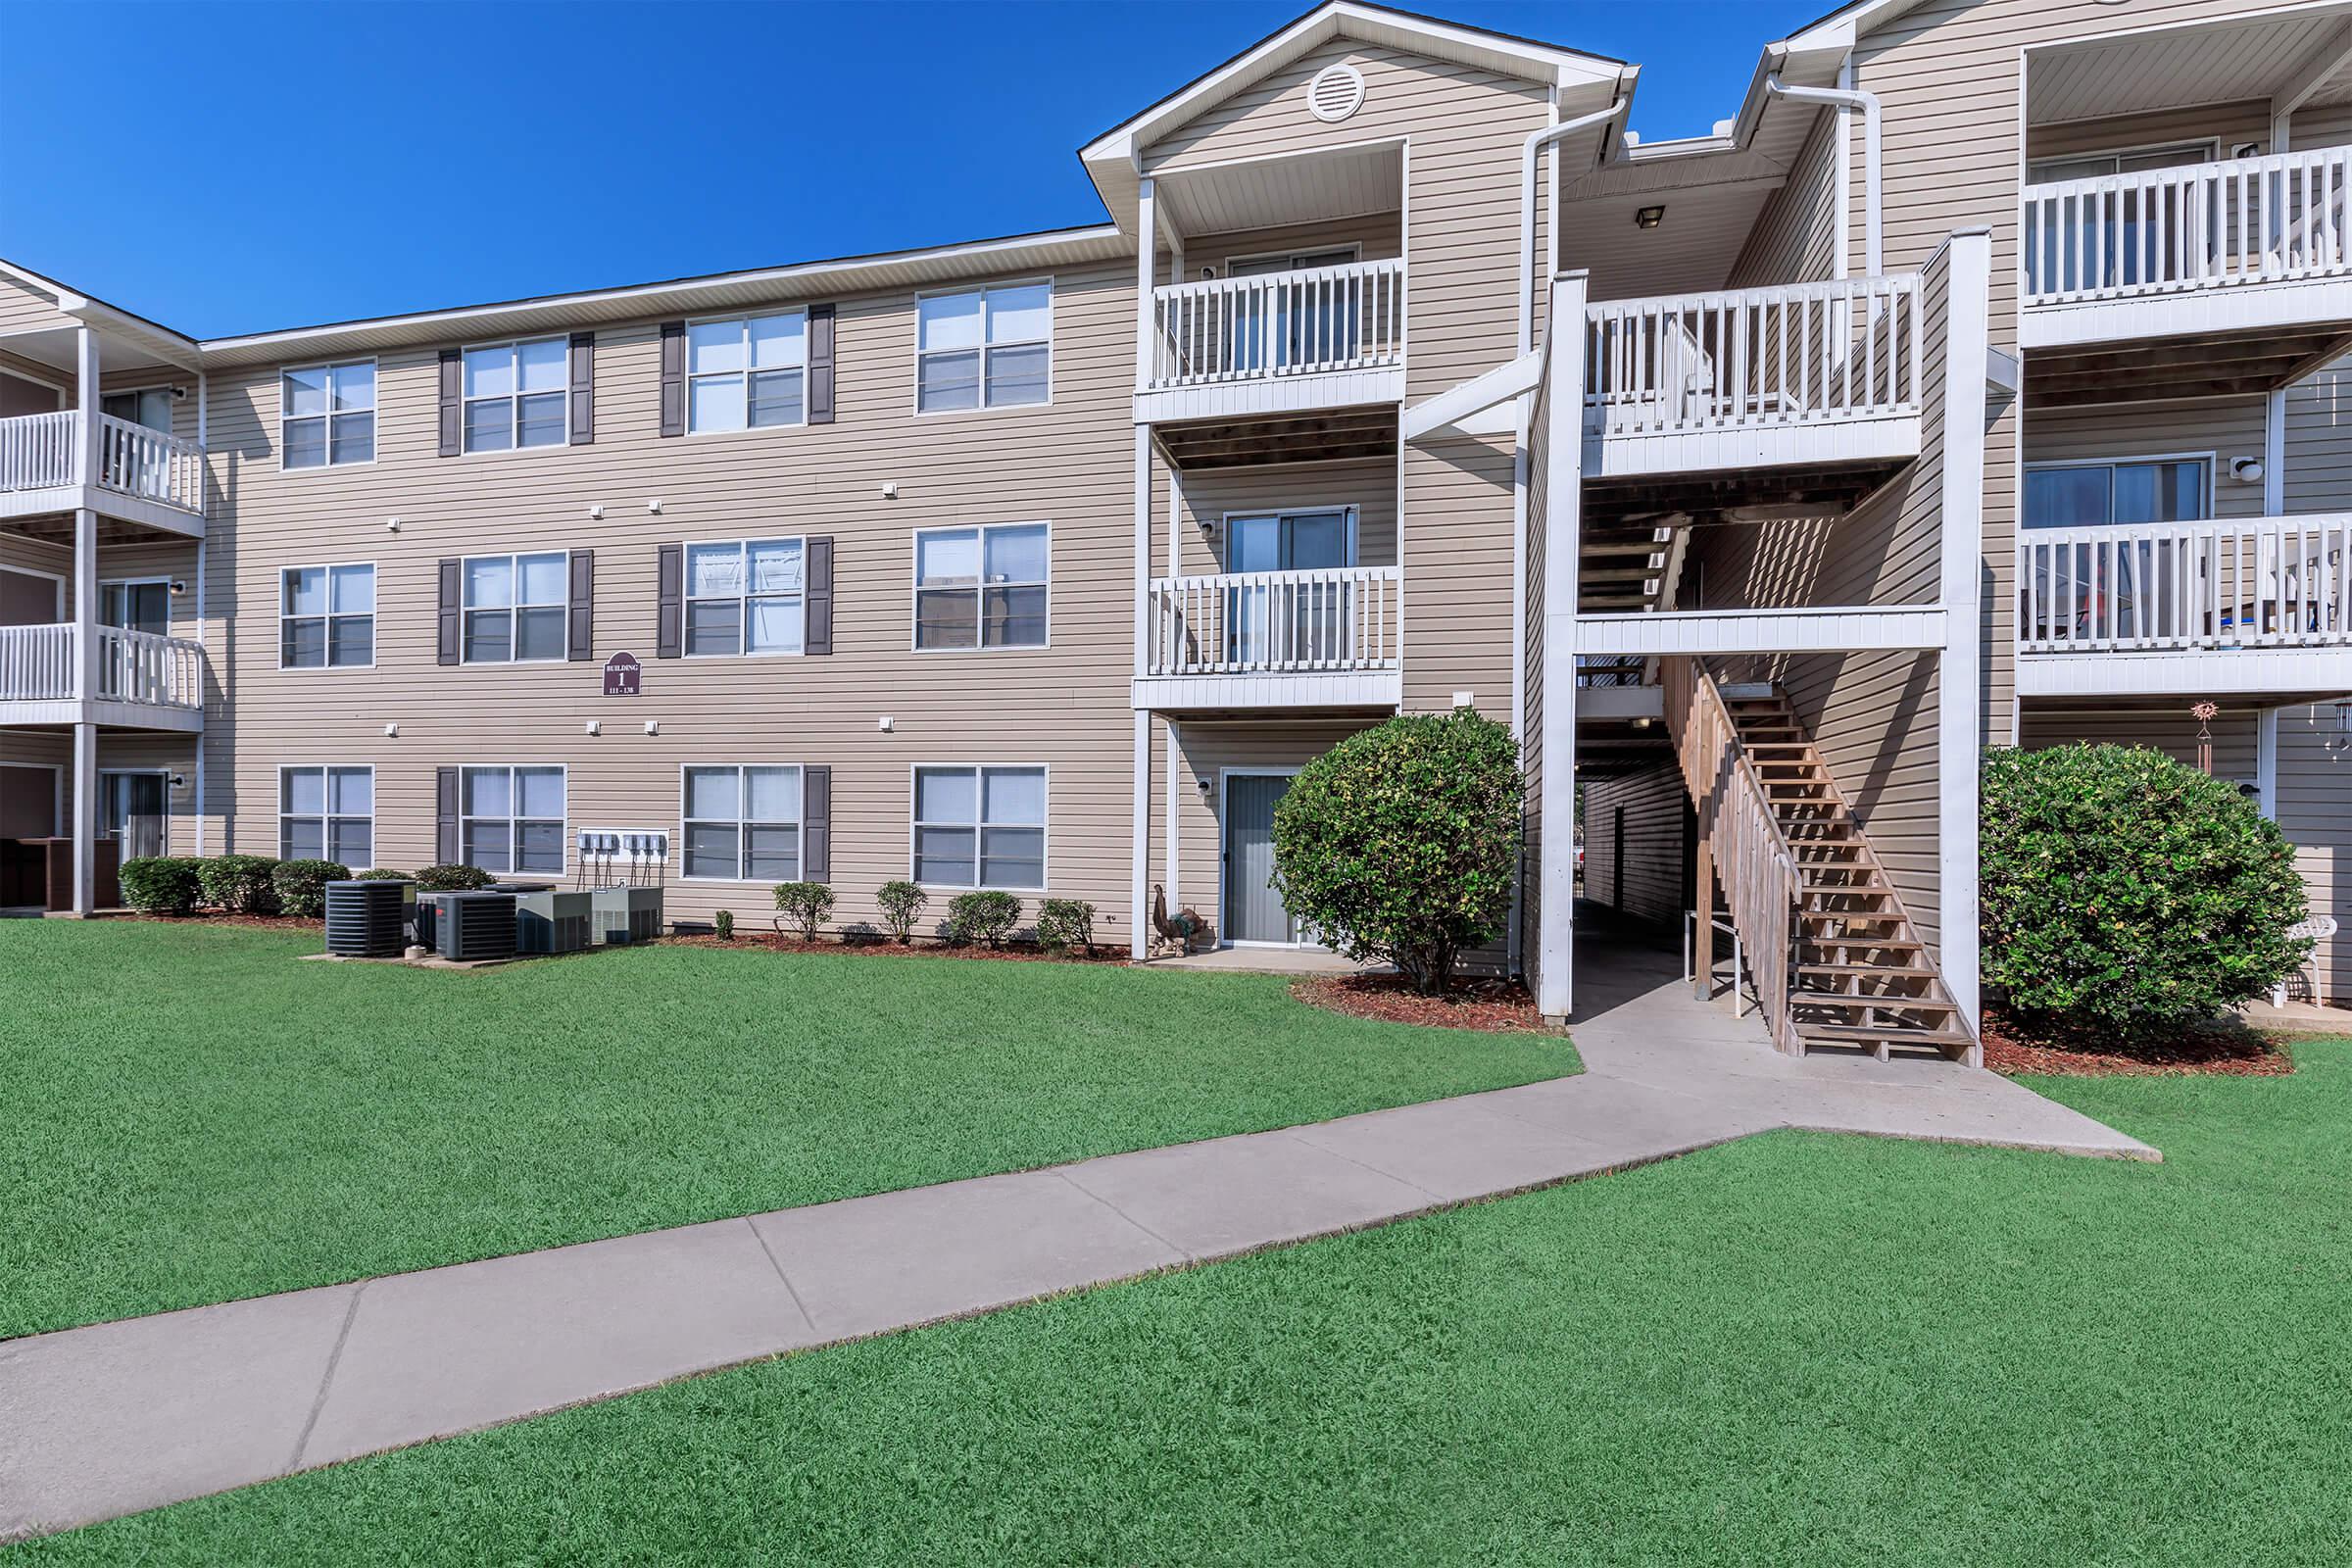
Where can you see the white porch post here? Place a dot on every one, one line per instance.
(1959, 721)
(85, 400)
(85, 730)
(1563, 523)
(1147, 255)
(203, 491)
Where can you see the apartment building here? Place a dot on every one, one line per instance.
(1968, 385)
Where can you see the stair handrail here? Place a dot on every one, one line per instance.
(1752, 857)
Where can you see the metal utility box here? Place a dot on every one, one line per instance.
(470, 927)
(551, 920)
(621, 916)
(369, 919)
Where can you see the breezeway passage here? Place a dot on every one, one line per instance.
(118, 1417)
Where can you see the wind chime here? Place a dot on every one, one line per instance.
(2204, 714)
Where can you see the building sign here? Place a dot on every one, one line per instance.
(621, 675)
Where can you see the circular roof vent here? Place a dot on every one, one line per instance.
(1336, 92)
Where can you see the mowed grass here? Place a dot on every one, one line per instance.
(1793, 1350)
(193, 1117)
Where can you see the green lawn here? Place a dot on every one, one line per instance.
(192, 1116)
(1798, 1348)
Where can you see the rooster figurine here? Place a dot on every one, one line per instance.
(1180, 928)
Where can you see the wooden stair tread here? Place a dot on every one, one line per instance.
(1871, 1034)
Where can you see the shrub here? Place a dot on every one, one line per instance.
(806, 905)
(160, 884)
(381, 874)
(301, 886)
(723, 923)
(901, 904)
(2128, 894)
(1399, 841)
(1065, 923)
(238, 883)
(982, 917)
(452, 879)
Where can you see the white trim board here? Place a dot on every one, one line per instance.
(1764, 631)
(2250, 671)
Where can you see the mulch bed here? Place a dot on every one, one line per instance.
(1493, 1006)
(882, 947)
(261, 922)
(2222, 1051)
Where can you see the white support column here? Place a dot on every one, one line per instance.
(85, 817)
(2273, 455)
(1140, 938)
(85, 398)
(2266, 762)
(1147, 259)
(1959, 726)
(85, 692)
(1175, 810)
(203, 403)
(1563, 522)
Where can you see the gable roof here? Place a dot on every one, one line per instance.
(1111, 157)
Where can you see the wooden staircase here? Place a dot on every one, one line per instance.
(1861, 977)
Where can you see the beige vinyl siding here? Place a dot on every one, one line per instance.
(1211, 495)
(1795, 237)
(1377, 237)
(1064, 706)
(2228, 125)
(24, 309)
(1634, 840)
(2315, 811)
(2318, 441)
(2219, 429)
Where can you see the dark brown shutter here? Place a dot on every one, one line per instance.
(584, 388)
(820, 365)
(819, 561)
(447, 645)
(669, 632)
(817, 824)
(674, 377)
(583, 603)
(446, 849)
(453, 403)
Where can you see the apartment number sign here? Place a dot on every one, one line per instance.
(622, 675)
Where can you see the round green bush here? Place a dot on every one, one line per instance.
(2126, 895)
(982, 918)
(803, 905)
(1066, 923)
(901, 904)
(452, 879)
(160, 884)
(301, 886)
(238, 883)
(1400, 842)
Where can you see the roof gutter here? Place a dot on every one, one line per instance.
(1846, 98)
(1537, 141)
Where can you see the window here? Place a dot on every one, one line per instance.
(512, 818)
(743, 824)
(326, 813)
(744, 598)
(326, 616)
(326, 415)
(142, 604)
(516, 394)
(747, 373)
(150, 407)
(986, 349)
(981, 587)
(980, 827)
(517, 608)
(2079, 495)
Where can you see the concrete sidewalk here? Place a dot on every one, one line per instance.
(118, 1417)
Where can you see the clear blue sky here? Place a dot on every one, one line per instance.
(230, 168)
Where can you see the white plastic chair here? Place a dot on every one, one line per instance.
(2320, 927)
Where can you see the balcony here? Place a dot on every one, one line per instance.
(1327, 638)
(2246, 252)
(130, 471)
(143, 681)
(2259, 605)
(1276, 343)
(1796, 376)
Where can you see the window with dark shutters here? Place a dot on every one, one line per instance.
(583, 389)
(583, 603)
(818, 637)
(674, 377)
(446, 849)
(447, 645)
(453, 403)
(820, 365)
(817, 824)
(670, 635)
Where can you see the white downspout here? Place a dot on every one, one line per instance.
(1536, 142)
(1868, 103)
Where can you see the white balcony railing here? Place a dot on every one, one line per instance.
(2199, 226)
(1276, 622)
(39, 664)
(1744, 359)
(42, 452)
(1325, 319)
(2264, 582)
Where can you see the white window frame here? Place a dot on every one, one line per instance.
(103, 583)
(1292, 254)
(375, 410)
(159, 386)
(915, 587)
(688, 597)
(514, 799)
(2211, 146)
(983, 290)
(516, 604)
(745, 374)
(739, 824)
(514, 400)
(330, 568)
(2211, 460)
(323, 817)
(978, 770)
